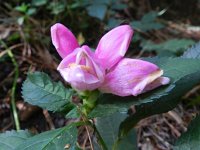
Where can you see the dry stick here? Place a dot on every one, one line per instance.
(48, 119)
(13, 90)
(92, 147)
(84, 120)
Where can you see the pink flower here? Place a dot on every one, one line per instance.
(105, 69)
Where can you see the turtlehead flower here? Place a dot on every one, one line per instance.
(106, 69)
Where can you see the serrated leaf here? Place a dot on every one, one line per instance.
(193, 52)
(108, 128)
(11, 139)
(190, 140)
(174, 68)
(52, 140)
(38, 89)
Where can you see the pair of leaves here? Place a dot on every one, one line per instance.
(52, 140)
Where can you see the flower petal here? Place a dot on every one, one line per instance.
(113, 45)
(132, 77)
(63, 39)
(156, 83)
(81, 70)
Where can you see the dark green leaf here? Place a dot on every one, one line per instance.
(193, 52)
(118, 6)
(57, 7)
(146, 26)
(52, 140)
(108, 128)
(11, 139)
(174, 68)
(129, 142)
(172, 45)
(148, 22)
(38, 89)
(191, 139)
(112, 22)
(149, 17)
(73, 113)
(39, 2)
(97, 10)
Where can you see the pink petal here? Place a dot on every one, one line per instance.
(113, 45)
(63, 39)
(81, 70)
(132, 77)
(159, 81)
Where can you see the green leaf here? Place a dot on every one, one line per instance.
(146, 26)
(108, 128)
(118, 6)
(148, 22)
(129, 141)
(172, 45)
(39, 89)
(52, 140)
(193, 52)
(190, 140)
(149, 17)
(112, 22)
(73, 113)
(57, 7)
(22, 8)
(174, 68)
(97, 10)
(31, 11)
(11, 139)
(39, 2)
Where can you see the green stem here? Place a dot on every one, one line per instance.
(89, 102)
(13, 103)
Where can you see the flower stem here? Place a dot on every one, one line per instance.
(89, 102)
(13, 90)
